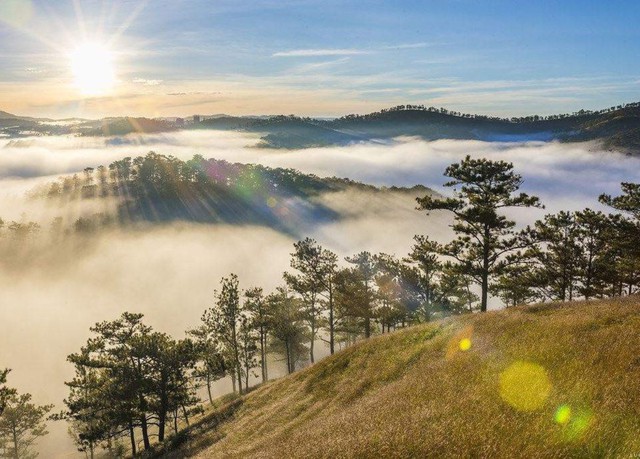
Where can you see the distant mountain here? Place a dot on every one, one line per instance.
(5, 115)
(616, 127)
(285, 131)
(123, 126)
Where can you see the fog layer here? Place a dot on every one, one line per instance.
(169, 273)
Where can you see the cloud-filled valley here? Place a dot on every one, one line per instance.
(169, 272)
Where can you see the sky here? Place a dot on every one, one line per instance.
(318, 58)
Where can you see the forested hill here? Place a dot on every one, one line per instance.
(551, 380)
(616, 127)
(156, 188)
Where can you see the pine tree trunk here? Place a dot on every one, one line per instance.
(15, 443)
(485, 271)
(246, 378)
(132, 437)
(186, 416)
(209, 389)
(145, 432)
(289, 357)
(239, 370)
(263, 357)
(331, 319)
(311, 349)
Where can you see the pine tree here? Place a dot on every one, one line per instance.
(21, 424)
(484, 236)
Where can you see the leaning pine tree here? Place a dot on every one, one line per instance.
(486, 240)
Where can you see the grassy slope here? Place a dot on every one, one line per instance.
(414, 393)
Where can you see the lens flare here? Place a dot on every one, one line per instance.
(525, 386)
(562, 414)
(465, 344)
(579, 424)
(461, 342)
(575, 421)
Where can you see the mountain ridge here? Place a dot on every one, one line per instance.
(615, 128)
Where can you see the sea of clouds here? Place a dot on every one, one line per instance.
(169, 273)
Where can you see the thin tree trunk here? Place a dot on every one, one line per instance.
(331, 319)
(132, 437)
(246, 378)
(145, 432)
(485, 271)
(185, 414)
(311, 348)
(209, 389)
(313, 330)
(15, 443)
(263, 359)
(289, 363)
(233, 381)
(239, 370)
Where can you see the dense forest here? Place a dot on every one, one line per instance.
(159, 188)
(134, 385)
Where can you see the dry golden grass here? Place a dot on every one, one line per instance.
(539, 381)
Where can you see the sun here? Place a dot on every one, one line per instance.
(92, 65)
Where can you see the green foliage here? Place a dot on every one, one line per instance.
(5, 392)
(286, 326)
(315, 268)
(128, 376)
(482, 190)
(21, 424)
(229, 324)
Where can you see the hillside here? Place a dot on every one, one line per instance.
(617, 128)
(159, 189)
(541, 381)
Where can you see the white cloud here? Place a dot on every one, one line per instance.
(320, 52)
(408, 46)
(146, 82)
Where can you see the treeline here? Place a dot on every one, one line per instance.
(564, 256)
(157, 187)
(133, 383)
(515, 119)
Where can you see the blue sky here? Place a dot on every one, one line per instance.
(326, 57)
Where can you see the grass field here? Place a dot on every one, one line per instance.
(541, 381)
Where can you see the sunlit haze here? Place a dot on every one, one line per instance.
(319, 228)
(322, 58)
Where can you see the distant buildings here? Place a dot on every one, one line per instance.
(196, 118)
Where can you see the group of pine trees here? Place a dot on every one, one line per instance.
(21, 421)
(515, 119)
(133, 383)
